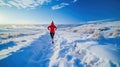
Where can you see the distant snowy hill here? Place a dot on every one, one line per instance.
(82, 45)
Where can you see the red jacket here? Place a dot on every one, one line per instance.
(52, 27)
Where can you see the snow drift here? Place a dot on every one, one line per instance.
(85, 45)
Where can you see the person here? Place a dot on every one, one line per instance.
(52, 29)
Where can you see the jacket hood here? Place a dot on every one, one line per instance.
(52, 23)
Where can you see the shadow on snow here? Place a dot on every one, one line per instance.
(35, 55)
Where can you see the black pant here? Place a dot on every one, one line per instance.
(52, 35)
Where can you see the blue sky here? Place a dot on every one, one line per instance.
(61, 11)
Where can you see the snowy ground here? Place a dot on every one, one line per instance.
(85, 45)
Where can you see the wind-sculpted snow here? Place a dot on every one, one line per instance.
(84, 45)
(15, 37)
(90, 45)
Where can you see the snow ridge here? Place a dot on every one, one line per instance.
(85, 45)
(81, 46)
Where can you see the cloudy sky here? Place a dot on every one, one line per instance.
(61, 11)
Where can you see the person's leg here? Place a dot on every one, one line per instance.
(51, 35)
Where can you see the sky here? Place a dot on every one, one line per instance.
(60, 11)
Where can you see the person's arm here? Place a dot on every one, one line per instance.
(55, 28)
(48, 27)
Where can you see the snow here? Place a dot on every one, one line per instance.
(21, 37)
(84, 45)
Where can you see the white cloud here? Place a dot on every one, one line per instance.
(24, 3)
(75, 1)
(31, 4)
(55, 7)
(3, 3)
